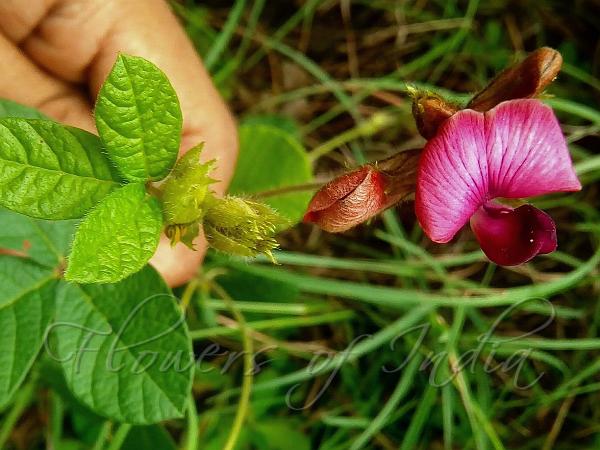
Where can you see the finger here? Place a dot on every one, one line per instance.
(80, 39)
(18, 20)
(178, 264)
(24, 82)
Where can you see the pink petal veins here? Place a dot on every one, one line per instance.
(514, 150)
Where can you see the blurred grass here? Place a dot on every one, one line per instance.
(378, 338)
(476, 336)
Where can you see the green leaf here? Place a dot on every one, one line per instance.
(26, 307)
(139, 119)
(40, 240)
(8, 108)
(125, 348)
(152, 436)
(117, 238)
(287, 124)
(50, 171)
(272, 160)
(51, 376)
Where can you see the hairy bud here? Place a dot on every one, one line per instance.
(186, 188)
(430, 111)
(241, 227)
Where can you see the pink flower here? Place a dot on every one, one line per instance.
(514, 150)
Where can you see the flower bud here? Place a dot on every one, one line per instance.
(357, 196)
(184, 233)
(186, 188)
(241, 227)
(430, 111)
(526, 79)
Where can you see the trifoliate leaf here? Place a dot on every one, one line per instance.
(125, 348)
(117, 238)
(50, 171)
(139, 119)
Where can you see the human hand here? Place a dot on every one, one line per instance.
(57, 53)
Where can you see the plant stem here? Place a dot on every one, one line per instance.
(296, 309)
(373, 125)
(119, 437)
(57, 412)
(224, 37)
(188, 293)
(350, 354)
(248, 373)
(22, 400)
(192, 425)
(103, 435)
(276, 324)
(587, 165)
(307, 187)
(383, 417)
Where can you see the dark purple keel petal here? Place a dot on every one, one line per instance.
(509, 236)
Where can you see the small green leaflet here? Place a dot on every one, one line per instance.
(117, 238)
(153, 436)
(125, 349)
(26, 308)
(139, 119)
(270, 160)
(51, 171)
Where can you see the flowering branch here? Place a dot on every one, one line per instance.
(504, 145)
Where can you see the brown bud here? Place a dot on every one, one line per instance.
(430, 111)
(523, 80)
(356, 196)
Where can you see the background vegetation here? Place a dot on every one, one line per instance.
(320, 86)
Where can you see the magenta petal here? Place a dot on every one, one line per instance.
(514, 150)
(513, 236)
(527, 153)
(452, 179)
